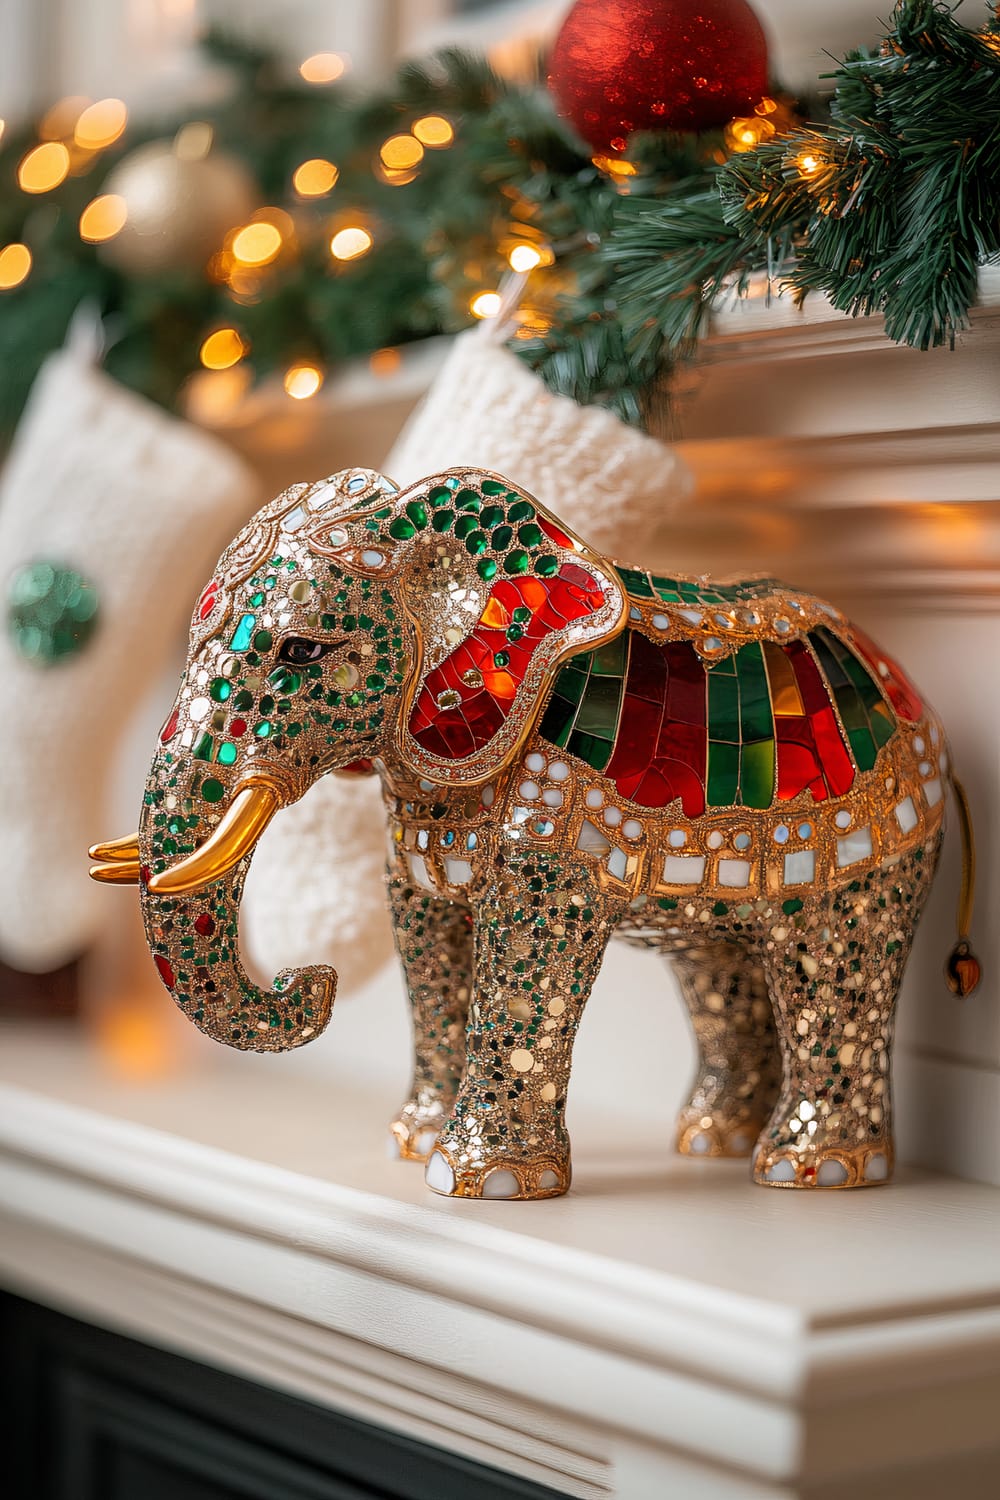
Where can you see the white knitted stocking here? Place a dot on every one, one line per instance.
(313, 894)
(105, 491)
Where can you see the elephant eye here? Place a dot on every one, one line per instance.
(299, 651)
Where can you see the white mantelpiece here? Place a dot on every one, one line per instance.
(668, 1329)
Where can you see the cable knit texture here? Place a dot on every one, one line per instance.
(315, 892)
(101, 481)
(614, 486)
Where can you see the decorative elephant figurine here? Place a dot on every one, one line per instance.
(569, 749)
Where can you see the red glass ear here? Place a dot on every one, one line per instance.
(465, 700)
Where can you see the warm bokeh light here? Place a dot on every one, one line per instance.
(101, 124)
(400, 153)
(434, 131)
(766, 106)
(348, 244)
(384, 362)
(15, 263)
(323, 67)
(256, 244)
(524, 258)
(43, 168)
(303, 381)
(221, 349)
(614, 166)
(103, 218)
(485, 305)
(808, 164)
(59, 122)
(193, 141)
(212, 396)
(315, 177)
(744, 133)
(3, 127)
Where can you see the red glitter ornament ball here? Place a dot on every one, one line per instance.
(624, 65)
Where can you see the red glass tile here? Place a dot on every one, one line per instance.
(164, 970)
(206, 601)
(894, 682)
(834, 760)
(556, 534)
(169, 728)
(356, 768)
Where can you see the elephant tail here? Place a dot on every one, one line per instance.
(963, 969)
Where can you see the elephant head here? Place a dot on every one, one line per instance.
(349, 622)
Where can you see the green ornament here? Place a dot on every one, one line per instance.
(52, 612)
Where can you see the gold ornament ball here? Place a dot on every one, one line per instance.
(179, 209)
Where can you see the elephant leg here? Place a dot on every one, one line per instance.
(739, 1061)
(434, 942)
(834, 970)
(541, 932)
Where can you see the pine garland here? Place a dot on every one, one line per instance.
(889, 207)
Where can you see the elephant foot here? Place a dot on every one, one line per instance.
(716, 1134)
(839, 1167)
(543, 1177)
(414, 1131)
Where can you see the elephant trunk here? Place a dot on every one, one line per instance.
(190, 889)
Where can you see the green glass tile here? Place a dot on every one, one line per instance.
(756, 722)
(487, 568)
(522, 614)
(465, 525)
(723, 706)
(723, 774)
(516, 562)
(557, 721)
(442, 519)
(205, 748)
(862, 747)
(546, 565)
(467, 500)
(520, 511)
(491, 515)
(417, 512)
(476, 543)
(439, 495)
(529, 535)
(882, 724)
(492, 487)
(821, 644)
(609, 660)
(220, 690)
(757, 765)
(572, 682)
(595, 752)
(227, 754)
(637, 584)
(402, 529)
(501, 538)
(600, 706)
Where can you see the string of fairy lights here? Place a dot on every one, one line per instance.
(75, 132)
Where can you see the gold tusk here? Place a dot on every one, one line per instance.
(115, 849)
(248, 815)
(120, 872)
